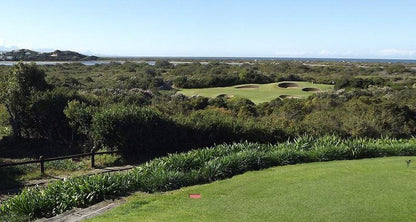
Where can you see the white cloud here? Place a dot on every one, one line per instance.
(8, 46)
(4, 43)
(397, 52)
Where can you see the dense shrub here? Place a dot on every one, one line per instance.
(194, 167)
(135, 131)
(47, 119)
(141, 132)
(215, 126)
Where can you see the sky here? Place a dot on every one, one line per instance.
(226, 28)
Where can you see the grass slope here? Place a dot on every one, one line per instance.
(380, 189)
(264, 92)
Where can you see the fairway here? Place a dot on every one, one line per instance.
(259, 93)
(380, 189)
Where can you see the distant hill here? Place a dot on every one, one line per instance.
(57, 55)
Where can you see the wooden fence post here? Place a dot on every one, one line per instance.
(42, 165)
(92, 159)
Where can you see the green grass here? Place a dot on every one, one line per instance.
(264, 92)
(381, 189)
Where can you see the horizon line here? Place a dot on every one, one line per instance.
(101, 55)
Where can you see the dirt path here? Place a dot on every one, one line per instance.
(78, 214)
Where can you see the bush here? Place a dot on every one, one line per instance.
(141, 133)
(215, 126)
(135, 131)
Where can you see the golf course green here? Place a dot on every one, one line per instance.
(380, 189)
(259, 93)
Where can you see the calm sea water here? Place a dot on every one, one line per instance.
(207, 59)
(87, 63)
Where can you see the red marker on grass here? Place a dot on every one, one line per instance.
(195, 196)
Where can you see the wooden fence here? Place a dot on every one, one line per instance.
(42, 160)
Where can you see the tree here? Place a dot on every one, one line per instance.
(79, 115)
(47, 119)
(16, 90)
(163, 64)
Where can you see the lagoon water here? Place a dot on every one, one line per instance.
(95, 62)
(87, 63)
(236, 60)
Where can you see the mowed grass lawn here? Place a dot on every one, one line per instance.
(382, 189)
(259, 92)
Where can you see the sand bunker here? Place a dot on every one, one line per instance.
(288, 97)
(247, 87)
(225, 96)
(311, 90)
(287, 85)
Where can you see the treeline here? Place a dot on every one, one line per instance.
(173, 123)
(146, 123)
(164, 75)
(215, 75)
(342, 76)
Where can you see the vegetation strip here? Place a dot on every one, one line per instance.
(43, 182)
(194, 167)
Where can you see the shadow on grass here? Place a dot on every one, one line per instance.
(10, 182)
(33, 148)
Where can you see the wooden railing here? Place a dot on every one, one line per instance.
(42, 160)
